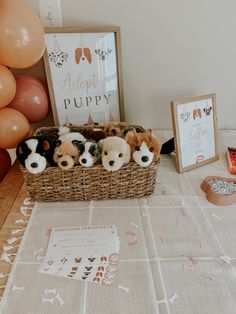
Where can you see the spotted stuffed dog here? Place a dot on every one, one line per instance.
(89, 153)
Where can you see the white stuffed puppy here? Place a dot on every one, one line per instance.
(66, 136)
(115, 152)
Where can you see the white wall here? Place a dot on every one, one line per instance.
(170, 50)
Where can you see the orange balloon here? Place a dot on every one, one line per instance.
(21, 35)
(31, 98)
(14, 127)
(7, 86)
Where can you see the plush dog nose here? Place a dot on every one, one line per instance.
(111, 162)
(84, 161)
(34, 165)
(144, 158)
(64, 163)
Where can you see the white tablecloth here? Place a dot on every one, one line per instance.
(175, 267)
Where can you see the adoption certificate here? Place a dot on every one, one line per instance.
(88, 253)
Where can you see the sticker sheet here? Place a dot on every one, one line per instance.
(83, 253)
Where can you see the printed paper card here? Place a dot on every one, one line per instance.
(83, 253)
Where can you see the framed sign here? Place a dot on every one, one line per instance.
(83, 69)
(195, 131)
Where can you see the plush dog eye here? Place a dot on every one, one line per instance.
(137, 148)
(73, 157)
(105, 153)
(59, 156)
(120, 155)
(151, 149)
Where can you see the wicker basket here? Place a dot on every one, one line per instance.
(94, 183)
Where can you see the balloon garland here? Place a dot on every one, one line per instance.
(23, 99)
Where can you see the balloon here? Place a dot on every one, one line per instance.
(31, 98)
(7, 86)
(14, 127)
(21, 35)
(5, 163)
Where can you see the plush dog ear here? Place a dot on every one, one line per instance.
(20, 150)
(100, 144)
(46, 145)
(58, 143)
(76, 142)
(130, 134)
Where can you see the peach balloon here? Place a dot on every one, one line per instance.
(21, 35)
(31, 98)
(14, 127)
(7, 86)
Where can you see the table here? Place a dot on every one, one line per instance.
(179, 265)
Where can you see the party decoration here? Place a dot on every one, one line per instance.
(7, 86)
(57, 56)
(5, 162)
(14, 127)
(31, 98)
(21, 35)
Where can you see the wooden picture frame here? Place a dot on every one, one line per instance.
(83, 70)
(195, 131)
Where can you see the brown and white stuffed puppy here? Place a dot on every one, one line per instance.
(115, 152)
(145, 147)
(66, 154)
(114, 128)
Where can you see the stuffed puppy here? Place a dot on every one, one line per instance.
(114, 128)
(145, 147)
(66, 154)
(94, 134)
(138, 129)
(115, 152)
(66, 136)
(35, 153)
(89, 153)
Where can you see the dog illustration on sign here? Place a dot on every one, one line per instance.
(197, 113)
(83, 54)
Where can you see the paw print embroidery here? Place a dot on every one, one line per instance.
(103, 54)
(64, 260)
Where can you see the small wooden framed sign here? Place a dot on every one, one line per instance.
(83, 68)
(195, 131)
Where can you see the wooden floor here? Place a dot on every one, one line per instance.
(12, 195)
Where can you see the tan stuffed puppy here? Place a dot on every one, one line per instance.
(114, 128)
(145, 147)
(115, 153)
(66, 155)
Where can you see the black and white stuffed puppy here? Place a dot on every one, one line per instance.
(89, 153)
(35, 153)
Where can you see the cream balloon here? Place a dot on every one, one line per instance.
(7, 86)
(21, 35)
